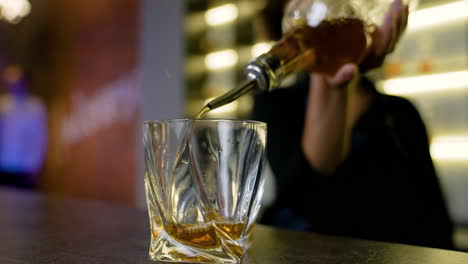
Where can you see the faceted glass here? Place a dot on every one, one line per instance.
(203, 187)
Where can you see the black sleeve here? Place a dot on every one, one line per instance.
(387, 189)
(297, 182)
(433, 227)
(283, 111)
(328, 202)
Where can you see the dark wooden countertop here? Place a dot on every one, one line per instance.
(41, 229)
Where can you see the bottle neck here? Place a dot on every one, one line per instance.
(247, 86)
(265, 70)
(262, 74)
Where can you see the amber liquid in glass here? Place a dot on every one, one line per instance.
(205, 235)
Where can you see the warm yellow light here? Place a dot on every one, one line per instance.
(221, 59)
(260, 48)
(426, 83)
(450, 148)
(221, 14)
(14, 10)
(437, 15)
(223, 110)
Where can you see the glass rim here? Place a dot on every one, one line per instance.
(204, 120)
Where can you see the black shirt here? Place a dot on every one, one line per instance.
(386, 189)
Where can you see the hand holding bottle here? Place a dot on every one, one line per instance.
(385, 37)
(335, 103)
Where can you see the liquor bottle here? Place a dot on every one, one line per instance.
(319, 36)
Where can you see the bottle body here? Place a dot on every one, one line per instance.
(323, 49)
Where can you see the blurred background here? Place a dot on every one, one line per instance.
(77, 78)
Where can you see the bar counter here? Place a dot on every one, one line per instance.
(35, 228)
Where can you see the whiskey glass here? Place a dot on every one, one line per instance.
(203, 186)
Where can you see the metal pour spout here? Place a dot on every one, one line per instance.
(261, 75)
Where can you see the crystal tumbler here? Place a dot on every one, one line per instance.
(204, 187)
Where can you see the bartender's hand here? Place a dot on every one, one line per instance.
(327, 128)
(385, 37)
